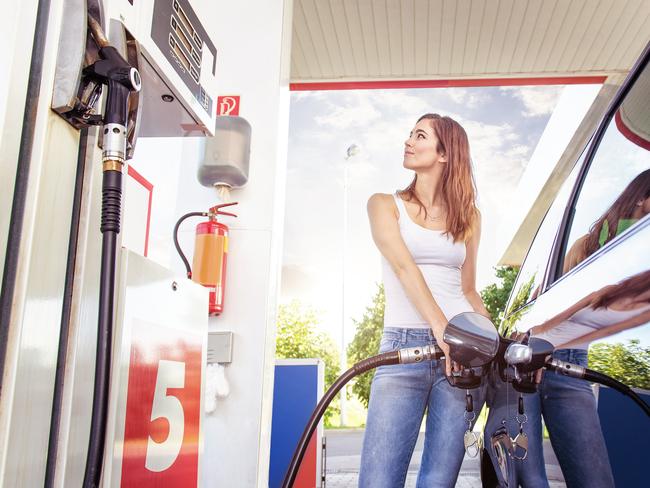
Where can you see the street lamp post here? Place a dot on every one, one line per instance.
(349, 153)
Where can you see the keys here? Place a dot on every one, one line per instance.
(471, 441)
(520, 446)
(520, 442)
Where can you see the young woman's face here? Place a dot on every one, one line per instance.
(420, 148)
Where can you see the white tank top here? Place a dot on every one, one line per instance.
(585, 321)
(440, 261)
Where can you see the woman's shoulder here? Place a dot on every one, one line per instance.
(382, 202)
(381, 197)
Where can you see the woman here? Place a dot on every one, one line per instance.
(428, 235)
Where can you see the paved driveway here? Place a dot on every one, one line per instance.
(343, 455)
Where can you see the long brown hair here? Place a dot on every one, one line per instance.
(622, 208)
(458, 187)
(629, 288)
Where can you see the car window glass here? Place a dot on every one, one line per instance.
(615, 193)
(529, 279)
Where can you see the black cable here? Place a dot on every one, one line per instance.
(52, 449)
(177, 245)
(110, 228)
(23, 165)
(603, 379)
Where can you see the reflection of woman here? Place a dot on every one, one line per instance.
(567, 404)
(630, 206)
(428, 236)
(602, 313)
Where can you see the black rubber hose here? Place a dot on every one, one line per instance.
(391, 357)
(603, 379)
(178, 246)
(110, 228)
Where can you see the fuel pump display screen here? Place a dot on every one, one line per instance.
(177, 32)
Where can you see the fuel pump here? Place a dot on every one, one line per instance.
(210, 254)
(106, 52)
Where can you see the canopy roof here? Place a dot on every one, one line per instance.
(382, 41)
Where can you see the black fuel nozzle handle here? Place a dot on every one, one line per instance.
(122, 79)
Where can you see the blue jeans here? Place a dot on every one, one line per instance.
(571, 417)
(399, 396)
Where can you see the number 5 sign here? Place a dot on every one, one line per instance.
(163, 408)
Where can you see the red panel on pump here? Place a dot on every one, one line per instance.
(163, 408)
(305, 476)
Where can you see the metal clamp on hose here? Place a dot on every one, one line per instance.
(566, 369)
(418, 354)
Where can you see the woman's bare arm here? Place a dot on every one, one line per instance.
(468, 271)
(569, 312)
(637, 320)
(385, 232)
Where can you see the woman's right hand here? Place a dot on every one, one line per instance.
(439, 334)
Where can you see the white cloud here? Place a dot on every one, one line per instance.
(299, 96)
(356, 113)
(467, 98)
(537, 100)
(397, 99)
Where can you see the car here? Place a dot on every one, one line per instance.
(586, 278)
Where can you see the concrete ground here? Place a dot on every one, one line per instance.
(343, 456)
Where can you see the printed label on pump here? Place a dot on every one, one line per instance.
(228, 105)
(163, 408)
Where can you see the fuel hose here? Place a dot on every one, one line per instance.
(575, 371)
(402, 356)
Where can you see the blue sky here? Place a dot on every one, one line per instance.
(504, 125)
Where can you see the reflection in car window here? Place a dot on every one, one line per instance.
(530, 276)
(616, 191)
(610, 310)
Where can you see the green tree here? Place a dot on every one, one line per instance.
(495, 296)
(628, 363)
(298, 337)
(366, 342)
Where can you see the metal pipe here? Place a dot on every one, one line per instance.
(97, 32)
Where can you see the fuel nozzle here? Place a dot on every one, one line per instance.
(122, 79)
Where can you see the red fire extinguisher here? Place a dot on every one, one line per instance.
(210, 254)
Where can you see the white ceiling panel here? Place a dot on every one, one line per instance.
(385, 40)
